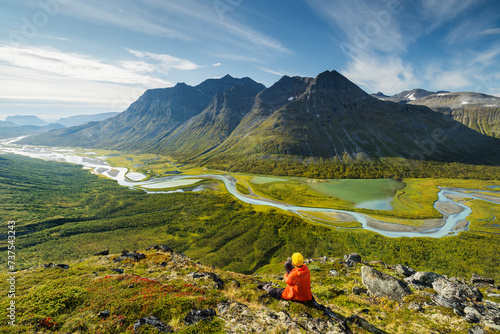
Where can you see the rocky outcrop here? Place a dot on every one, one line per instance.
(195, 316)
(241, 319)
(134, 256)
(476, 279)
(104, 252)
(422, 279)
(352, 258)
(219, 283)
(163, 248)
(383, 285)
(53, 265)
(457, 291)
(403, 270)
(155, 322)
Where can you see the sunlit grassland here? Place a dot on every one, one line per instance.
(57, 221)
(471, 184)
(242, 188)
(328, 219)
(414, 201)
(484, 216)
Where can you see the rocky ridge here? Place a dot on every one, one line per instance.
(162, 291)
(221, 121)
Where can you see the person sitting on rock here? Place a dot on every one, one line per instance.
(298, 280)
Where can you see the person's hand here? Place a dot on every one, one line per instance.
(288, 267)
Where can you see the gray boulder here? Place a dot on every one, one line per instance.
(357, 290)
(461, 292)
(422, 279)
(352, 258)
(404, 270)
(333, 272)
(218, 281)
(155, 322)
(476, 279)
(476, 330)
(448, 302)
(195, 316)
(471, 318)
(383, 285)
(491, 318)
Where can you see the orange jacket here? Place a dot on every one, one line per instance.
(298, 284)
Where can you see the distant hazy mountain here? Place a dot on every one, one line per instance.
(82, 119)
(11, 130)
(4, 124)
(477, 111)
(405, 96)
(323, 117)
(26, 120)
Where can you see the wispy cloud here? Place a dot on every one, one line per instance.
(471, 29)
(216, 64)
(21, 85)
(366, 25)
(267, 70)
(438, 12)
(162, 62)
(50, 75)
(494, 31)
(124, 14)
(187, 20)
(387, 75)
(84, 67)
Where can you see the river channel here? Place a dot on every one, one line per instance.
(99, 166)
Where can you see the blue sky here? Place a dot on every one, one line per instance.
(67, 57)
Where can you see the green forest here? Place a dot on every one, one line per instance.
(63, 212)
(396, 168)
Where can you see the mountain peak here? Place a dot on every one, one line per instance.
(334, 81)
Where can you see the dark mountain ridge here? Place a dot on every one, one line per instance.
(150, 119)
(325, 117)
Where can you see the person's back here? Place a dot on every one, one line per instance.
(298, 281)
(298, 284)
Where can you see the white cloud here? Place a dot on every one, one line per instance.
(22, 85)
(148, 71)
(451, 80)
(163, 62)
(216, 64)
(386, 74)
(187, 21)
(495, 31)
(441, 11)
(47, 75)
(367, 25)
(115, 13)
(75, 65)
(469, 29)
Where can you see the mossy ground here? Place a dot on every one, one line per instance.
(55, 300)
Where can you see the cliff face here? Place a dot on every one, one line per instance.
(326, 117)
(477, 111)
(160, 290)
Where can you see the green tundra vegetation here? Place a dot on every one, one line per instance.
(63, 212)
(393, 168)
(55, 300)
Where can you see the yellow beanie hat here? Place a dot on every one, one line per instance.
(297, 259)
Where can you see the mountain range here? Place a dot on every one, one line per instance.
(21, 125)
(477, 111)
(326, 117)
